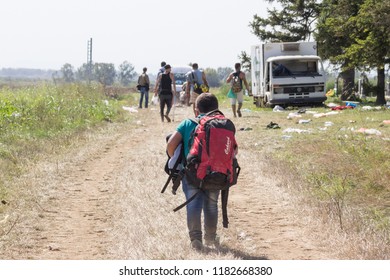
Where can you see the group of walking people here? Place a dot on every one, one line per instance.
(165, 88)
(203, 104)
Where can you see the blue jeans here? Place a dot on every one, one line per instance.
(144, 92)
(206, 201)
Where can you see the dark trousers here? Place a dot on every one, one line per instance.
(165, 99)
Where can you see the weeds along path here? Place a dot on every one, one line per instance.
(102, 200)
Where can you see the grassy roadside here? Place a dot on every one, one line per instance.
(345, 168)
(40, 120)
(341, 163)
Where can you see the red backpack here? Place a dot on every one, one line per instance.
(211, 163)
(210, 160)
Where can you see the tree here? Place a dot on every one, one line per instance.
(223, 72)
(333, 36)
(82, 73)
(370, 36)
(294, 22)
(67, 73)
(126, 73)
(245, 61)
(104, 73)
(212, 77)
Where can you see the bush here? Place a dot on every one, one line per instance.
(32, 116)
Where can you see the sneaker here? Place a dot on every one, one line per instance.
(196, 245)
(168, 118)
(212, 242)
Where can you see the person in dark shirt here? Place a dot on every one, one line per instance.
(165, 83)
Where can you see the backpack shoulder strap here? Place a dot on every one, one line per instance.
(194, 120)
(224, 202)
(215, 112)
(188, 201)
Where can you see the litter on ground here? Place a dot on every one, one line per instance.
(278, 108)
(130, 109)
(369, 108)
(293, 115)
(295, 130)
(369, 131)
(273, 125)
(304, 121)
(328, 123)
(339, 108)
(352, 104)
(322, 115)
(332, 105)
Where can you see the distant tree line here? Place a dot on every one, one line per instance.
(104, 73)
(27, 73)
(351, 34)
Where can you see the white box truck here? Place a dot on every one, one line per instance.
(287, 74)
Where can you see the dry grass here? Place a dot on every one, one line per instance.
(148, 228)
(345, 176)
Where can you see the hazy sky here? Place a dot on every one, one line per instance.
(47, 34)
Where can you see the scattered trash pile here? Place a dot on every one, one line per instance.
(305, 116)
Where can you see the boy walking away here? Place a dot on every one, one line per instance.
(236, 78)
(163, 89)
(195, 79)
(201, 193)
(144, 83)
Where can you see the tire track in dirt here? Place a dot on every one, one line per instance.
(76, 225)
(64, 211)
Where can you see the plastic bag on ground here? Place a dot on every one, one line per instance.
(278, 108)
(130, 109)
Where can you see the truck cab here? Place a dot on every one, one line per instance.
(287, 74)
(179, 73)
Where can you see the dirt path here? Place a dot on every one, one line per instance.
(102, 201)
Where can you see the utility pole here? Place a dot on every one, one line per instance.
(89, 60)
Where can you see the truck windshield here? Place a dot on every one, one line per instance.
(296, 68)
(180, 78)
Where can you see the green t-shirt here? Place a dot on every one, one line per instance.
(185, 128)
